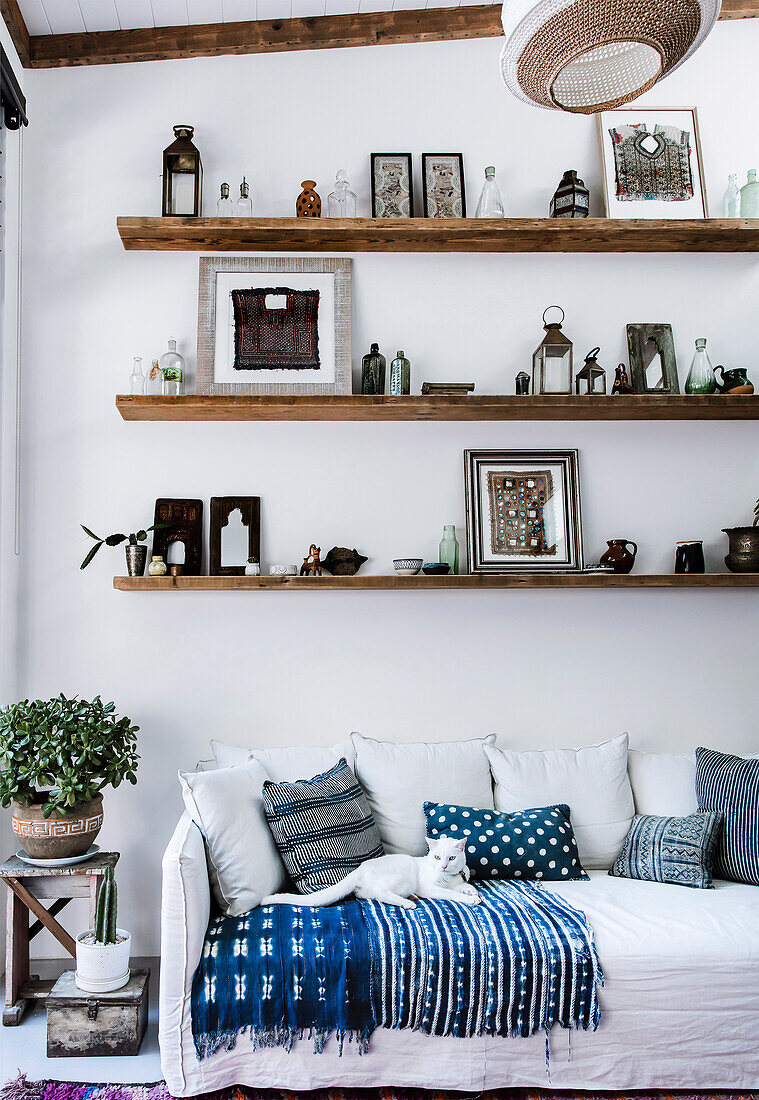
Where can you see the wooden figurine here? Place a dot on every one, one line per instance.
(621, 381)
(312, 566)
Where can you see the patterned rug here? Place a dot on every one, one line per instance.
(21, 1089)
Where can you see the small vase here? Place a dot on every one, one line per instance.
(490, 203)
(700, 378)
(308, 204)
(136, 556)
(743, 549)
(157, 567)
(448, 551)
(618, 556)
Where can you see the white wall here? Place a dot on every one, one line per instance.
(539, 668)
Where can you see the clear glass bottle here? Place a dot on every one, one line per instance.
(701, 374)
(373, 372)
(750, 196)
(225, 207)
(244, 205)
(491, 203)
(137, 378)
(341, 203)
(172, 371)
(155, 379)
(400, 376)
(449, 548)
(731, 200)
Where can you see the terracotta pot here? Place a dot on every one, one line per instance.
(743, 549)
(58, 837)
(618, 556)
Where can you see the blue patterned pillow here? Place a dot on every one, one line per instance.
(527, 844)
(677, 850)
(323, 827)
(730, 784)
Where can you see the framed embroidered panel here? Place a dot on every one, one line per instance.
(274, 325)
(392, 185)
(443, 185)
(651, 163)
(523, 511)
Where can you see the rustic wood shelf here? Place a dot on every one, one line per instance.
(474, 407)
(390, 582)
(432, 235)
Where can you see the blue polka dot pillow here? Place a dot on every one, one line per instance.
(537, 844)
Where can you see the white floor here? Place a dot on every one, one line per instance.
(22, 1048)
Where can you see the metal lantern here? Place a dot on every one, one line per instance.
(552, 359)
(571, 198)
(182, 176)
(591, 378)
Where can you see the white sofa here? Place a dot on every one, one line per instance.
(679, 1007)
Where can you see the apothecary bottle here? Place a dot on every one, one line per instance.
(449, 548)
(341, 203)
(244, 205)
(491, 203)
(701, 374)
(400, 376)
(731, 200)
(137, 378)
(373, 372)
(750, 196)
(224, 206)
(172, 371)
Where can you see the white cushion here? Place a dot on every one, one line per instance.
(592, 781)
(287, 763)
(243, 860)
(400, 778)
(663, 783)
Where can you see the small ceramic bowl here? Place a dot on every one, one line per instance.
(407, 567)
(436, 568)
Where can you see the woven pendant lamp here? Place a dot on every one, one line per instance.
(585, 56)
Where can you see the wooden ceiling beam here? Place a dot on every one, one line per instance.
(14, 21)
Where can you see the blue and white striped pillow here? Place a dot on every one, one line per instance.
(677, 850)
(730, 784)
(323, 827)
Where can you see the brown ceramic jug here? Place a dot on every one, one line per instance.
(618, 556)
(309, 205)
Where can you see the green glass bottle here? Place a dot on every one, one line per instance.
(449, 548)
(373, 372)
(400, 376)
(701, 374)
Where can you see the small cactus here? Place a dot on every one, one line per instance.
(105, 911)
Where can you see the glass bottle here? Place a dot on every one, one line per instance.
(400, 376)
(373, 372)
(341, 203)
(701, 374)
(244, 205)
(172, 371)
(491, 203)
(731, 200)
(155, 379)
(449, 548)
(224, 206)
(137, 378)
(750, 196)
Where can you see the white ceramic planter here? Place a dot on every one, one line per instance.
(102, 967)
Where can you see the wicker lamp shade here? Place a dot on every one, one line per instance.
(585, 56)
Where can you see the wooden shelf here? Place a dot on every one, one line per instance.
(474, 407)
(433, 235)
(404, 584)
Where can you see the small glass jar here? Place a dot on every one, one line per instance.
(244, 205)
(137, 378)
(157, 567)
(400, 376)
(252, 568)
(701, 378)
(224, 206)
(373, 372)
(449, 548)
(172, 371)
(341, 203)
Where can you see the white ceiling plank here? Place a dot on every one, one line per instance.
(443, 3)
(407, 5)
(307, 9)
(134, 13)
(169, 13)
(204, 11)
(341, 7)
(236, 11)
(99, 15)
(63, 16)
(274, 9)
(34, 16)
(375, 5)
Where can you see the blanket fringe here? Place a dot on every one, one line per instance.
(280, 1035)
(21, 1089)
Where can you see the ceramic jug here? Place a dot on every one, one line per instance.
(618, 556)
(732, 381)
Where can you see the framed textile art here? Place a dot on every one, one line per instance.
(443, 185)
(274, 325)
(392, 185)
(651, 163)
(523, 511)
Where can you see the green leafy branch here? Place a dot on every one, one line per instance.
(115, 540)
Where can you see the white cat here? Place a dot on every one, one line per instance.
(442, 874)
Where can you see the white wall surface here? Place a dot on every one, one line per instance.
(676, 669)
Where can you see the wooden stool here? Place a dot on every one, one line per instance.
(26, 886)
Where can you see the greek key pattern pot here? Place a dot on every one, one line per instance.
(58, 837)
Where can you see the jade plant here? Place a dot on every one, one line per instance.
(58, 753)
(134, 539)
(106, 908)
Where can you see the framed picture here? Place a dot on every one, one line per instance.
(240, 518)
(392, 186)
(443, 185)
(276, 326)
(651, 163)
(523, 511)
(653, 366)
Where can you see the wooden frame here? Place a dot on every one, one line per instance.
(429, 201)
(644, 341)
(381, 211)
(221, 510)
(338, 274)
(183, 522)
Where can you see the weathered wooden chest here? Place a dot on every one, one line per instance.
(81, 1025)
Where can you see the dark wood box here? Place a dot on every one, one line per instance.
(95, 1025)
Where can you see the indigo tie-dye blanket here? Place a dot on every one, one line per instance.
(520, 962)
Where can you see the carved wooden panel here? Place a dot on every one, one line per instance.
(185, 524)
(221, 509)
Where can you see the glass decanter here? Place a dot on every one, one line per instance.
(491, 203)
(449, 548)
(137, 378)
(224, 206)
(172, 371)
(731, 200)
(244, 205)
(701, 374)
(750, 196)
(341, 203)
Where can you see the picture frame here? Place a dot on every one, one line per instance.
(651, 163)
(392, 185)
(443, 187)
(274, 325)
(651, 350)
(180, 519)
(523, 511)
(221, 510)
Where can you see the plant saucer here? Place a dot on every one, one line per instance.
(69, 862)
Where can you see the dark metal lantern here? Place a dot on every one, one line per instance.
(552, 359)
(182, 176)
(590, 378)
(571, 199)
